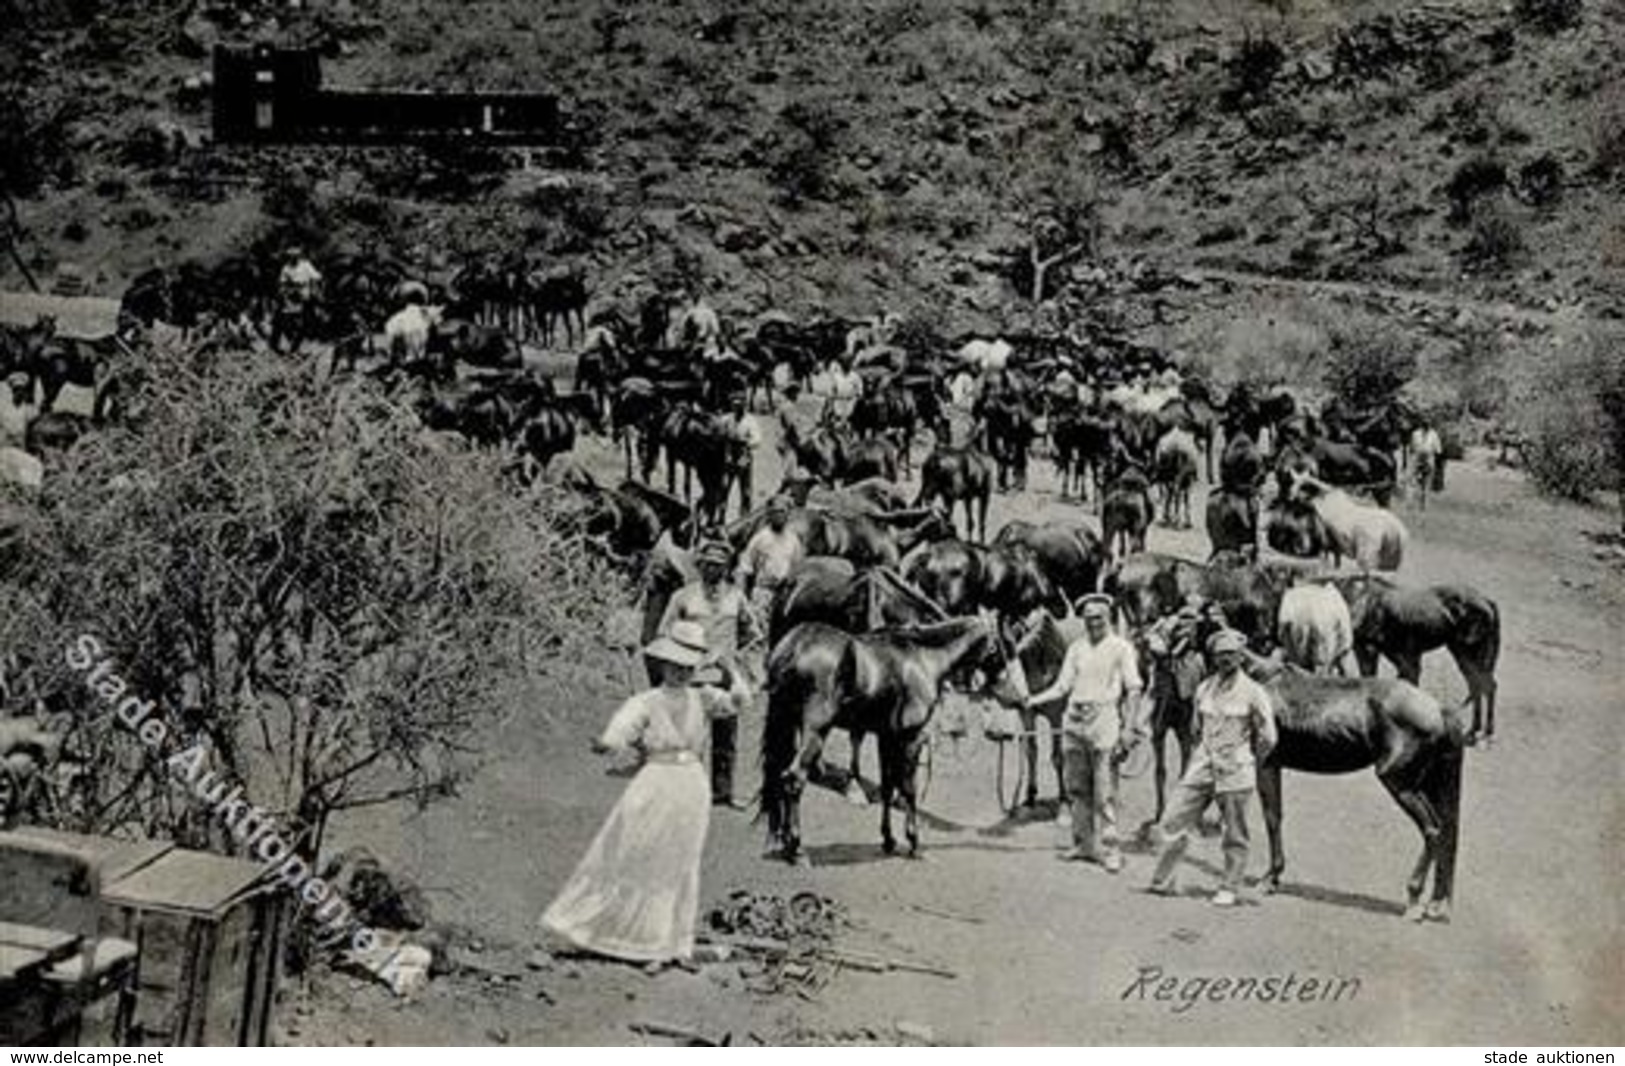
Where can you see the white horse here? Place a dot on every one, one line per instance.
(406, 334)
(1372, 537)
(1315, 629)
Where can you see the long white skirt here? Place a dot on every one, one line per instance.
(636, 893)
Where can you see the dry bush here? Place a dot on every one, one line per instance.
(803, 158)
(1540, 181)
(1496, 242)
(1550, 16)
(1474, 180)
(1368, 362)
(335, 605)
(1254, 67)
(1269, 352)
(1474, 370)
(1608, 135)
(1573, 417)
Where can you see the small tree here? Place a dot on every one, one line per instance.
(802, 161)
(1474, 180)
(1367, 365)
(1496, 241)
(330, 602)
(1058, 208)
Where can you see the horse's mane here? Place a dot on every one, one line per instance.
(886, 578)
(929, 634)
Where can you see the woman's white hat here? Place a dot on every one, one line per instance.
(684, 645)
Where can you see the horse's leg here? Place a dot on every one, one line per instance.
(890, 763)
(1444, 781)
(1057, 759)
(908, 783)
(1410, 799)
(1029, 755)
(855, 792)
(1159, 756)
(1270, 800)
(805, 765)
(1480, 691)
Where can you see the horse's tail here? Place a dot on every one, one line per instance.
(781, 736)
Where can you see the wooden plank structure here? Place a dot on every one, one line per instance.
(55, 963)
(275, 95)
(210, 930)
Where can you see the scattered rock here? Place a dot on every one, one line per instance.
(379, 899)
(915, 1031)
(197, 37)
(739, 238)
(1315, 67)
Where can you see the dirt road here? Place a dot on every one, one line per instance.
(1050, 952)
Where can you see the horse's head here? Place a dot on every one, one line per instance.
(992, 663)
(1303, 486)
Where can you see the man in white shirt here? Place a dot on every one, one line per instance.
(1100, 679)
(1427, 450)
(1237, 726)
(747, 436)
(730, 624)
(769, 557)
(300, 277)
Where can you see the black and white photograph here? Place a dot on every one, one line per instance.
(757, 523)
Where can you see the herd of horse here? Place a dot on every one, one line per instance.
(893, 605)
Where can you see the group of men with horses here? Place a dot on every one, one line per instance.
(855, 645)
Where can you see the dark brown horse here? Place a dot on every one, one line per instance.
(1070, 555)
(1232, 521)
(1127, 512)
(1172, 660)
(831, 590)
(1040, 651)
(886, 683)
(965, 577)
(959, 475)
(1404, 624)
(1083, 442)
(1336, 725)
(879, 539)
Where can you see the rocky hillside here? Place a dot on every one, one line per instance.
(849, 154)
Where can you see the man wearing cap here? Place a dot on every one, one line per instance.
(1100, 679)
(730, 624)
(771, 554)
(1237, 726)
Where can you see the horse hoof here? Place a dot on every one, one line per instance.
(1470, 740)
(1438, 911)
(1415, 913)
(889, 847)
(1270, 886)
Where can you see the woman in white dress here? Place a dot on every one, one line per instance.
(636, 893)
